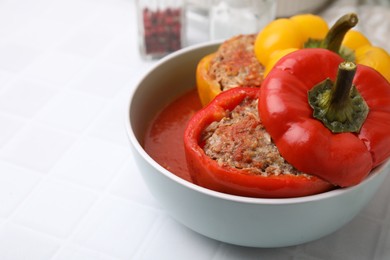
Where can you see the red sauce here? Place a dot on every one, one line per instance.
(164, 137)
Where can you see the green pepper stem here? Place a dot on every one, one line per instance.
(339, 105)
(340, 93)
(335, 35)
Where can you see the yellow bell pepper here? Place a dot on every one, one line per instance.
(289, 33)
(283, 36)
(367, 54)
(207, 87)
(354, 39)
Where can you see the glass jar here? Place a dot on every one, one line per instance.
(233, 17)
(161, 28)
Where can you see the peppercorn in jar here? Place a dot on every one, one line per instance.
(160, 27)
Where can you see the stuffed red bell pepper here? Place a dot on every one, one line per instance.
(228, 150)
(327, 117)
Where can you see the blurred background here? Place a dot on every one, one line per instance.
(69, 188)
(220, 19)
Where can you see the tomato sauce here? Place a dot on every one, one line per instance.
(164, 137)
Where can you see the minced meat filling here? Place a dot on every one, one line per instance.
(240, 140)
(235, 63)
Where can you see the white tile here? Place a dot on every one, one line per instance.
(36, 147)
(103, 80)
(125, 51)
(117, 15)
(80, 253)
(90, 41)
(5, 77)
(12, 19)
(71, 110)
(18, 243)
(110, 125)
(28, 8)
(116, 227)
(55, 208)
(15, 185)
(91, 162)
(174, 241)
(356, 240)
(56, 67)
(25, 97)
(131, 186)
(9, 127)
(232, 252)
(43, 33)
(302, 257)
(73, 12)
(122, 52)
(383, 251)
(16, 57)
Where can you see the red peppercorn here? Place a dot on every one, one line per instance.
(162, 31)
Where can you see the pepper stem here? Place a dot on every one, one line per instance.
(335, 35)
(339, 105)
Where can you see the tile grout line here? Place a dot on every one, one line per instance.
(46, 176)
(155, 227)
(102, 194)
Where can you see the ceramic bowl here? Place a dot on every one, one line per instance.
(244, 221)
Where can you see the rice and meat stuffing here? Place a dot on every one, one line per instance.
(240, 140)
(235, 63)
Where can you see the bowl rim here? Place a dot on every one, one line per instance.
(220, 195)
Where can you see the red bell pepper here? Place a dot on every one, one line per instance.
(347, 135)
(208, 173)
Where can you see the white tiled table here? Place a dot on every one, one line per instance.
(69, 188)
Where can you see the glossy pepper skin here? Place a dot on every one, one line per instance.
(207, 87)
(207, 173)
(288, 33)
(284, 36)
(343, 159)
(367, 54)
